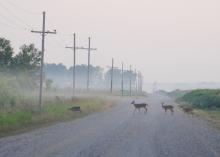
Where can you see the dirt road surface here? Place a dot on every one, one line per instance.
(120, 133)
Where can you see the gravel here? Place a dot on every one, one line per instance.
(120, 133)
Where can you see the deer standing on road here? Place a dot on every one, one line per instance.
(187, 109)
(167, 107)
(139, 106)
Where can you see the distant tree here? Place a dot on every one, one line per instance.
(116, 78)
(48, 84)
(58, 73)
(117, 75)
(28, 59)
(55, 69)
(6, 52)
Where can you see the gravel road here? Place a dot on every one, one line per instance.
(120, 133)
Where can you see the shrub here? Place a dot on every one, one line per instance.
(203, 98)
(8, 92)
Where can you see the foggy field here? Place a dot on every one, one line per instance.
(19, 119)
(19, 109)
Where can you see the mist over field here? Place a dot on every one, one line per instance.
(150, 87)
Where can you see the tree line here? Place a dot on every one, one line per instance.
(99, 77)
(26, 62)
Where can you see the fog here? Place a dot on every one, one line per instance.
(169, 41)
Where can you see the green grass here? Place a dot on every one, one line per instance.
(23, 119)
(206, 103)
(211, 115)
(16, 118)
(202, 98)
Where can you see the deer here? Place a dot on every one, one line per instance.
(139, 106)
(167, 107)
(187, 109)
(76, 109)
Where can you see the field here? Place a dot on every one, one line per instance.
(20, 119)
(211, 115)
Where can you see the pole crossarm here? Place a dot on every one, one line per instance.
(81, 48)
(46, 32)
(89, 49)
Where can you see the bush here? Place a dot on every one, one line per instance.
(8, 92)
(203, 98)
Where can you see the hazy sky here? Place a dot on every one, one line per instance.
(167, 40)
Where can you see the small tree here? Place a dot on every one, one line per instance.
(6, 52)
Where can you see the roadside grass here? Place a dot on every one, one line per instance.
(205, 103)
(211, 115)
(18, 120)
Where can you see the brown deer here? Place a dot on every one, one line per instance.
(167, 107)
(76, 109)
(139, 106)
(187, 109)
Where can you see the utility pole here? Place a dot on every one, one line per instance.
(112, 71)
(74, 48)
(140, 82)
(88, 70)
(130, 80)
(122, 79)
(74, 62)
(43, 33)
(136, 81)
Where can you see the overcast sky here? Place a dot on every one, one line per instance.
(167, 40)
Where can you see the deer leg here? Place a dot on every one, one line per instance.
(172, 112)
(165, 111)
(134, 111)
(145, 109)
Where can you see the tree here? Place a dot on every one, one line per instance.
(6, 52)
(48, 84)
(28, 59)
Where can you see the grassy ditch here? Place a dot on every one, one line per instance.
(211, 115)
(205, 104)
(16, 120)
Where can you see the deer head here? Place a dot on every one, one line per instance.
(133, 102)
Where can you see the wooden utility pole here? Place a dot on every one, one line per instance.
(140, 82)
(136, 81)
(74, 62)
(122, 79)
(130, 80)
(74, 48)
(112, 73)
(88, 70)
(43, 32)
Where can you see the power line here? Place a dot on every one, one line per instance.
(21, 21)
(16, 6)
(60, 38)
(12, 26)
(12, 22)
